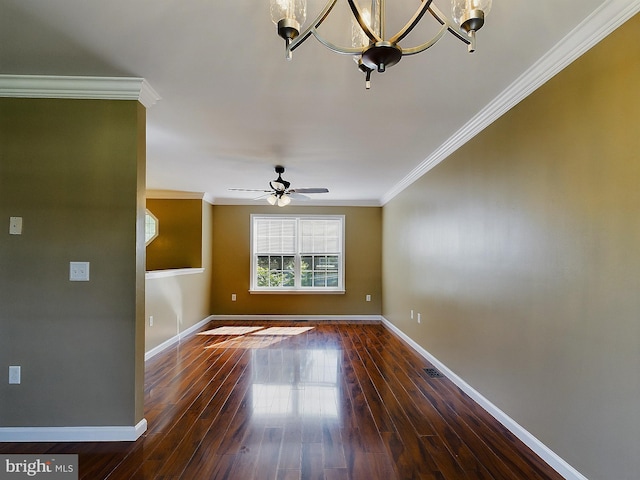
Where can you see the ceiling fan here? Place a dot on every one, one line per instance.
(279, 192)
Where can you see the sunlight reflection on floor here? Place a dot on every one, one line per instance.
(230, 331)
(284, 331)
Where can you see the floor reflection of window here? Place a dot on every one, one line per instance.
(272, 399)
(320, 401)
(321, 366)
(295, 382)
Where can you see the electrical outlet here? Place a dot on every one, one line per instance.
(15, 225)
(411, 314)
(151, 320)
(233, 297)
(368, 298)
(418, 318)
(14, 375)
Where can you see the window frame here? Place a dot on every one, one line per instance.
(148, 213)
(297, 288)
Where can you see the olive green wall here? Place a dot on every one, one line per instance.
(179, 240)
(73, 170)
(521, 252)
(180, 300)
(232, 263)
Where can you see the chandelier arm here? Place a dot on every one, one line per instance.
(335, 48)
(424, 6)
(295, 43)
(424, 46)
(449, 24)
(363, 25)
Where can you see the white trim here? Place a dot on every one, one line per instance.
(171, 272)
(176, 339)
(103, 88)
(261, 318)
(174, 195)
(314, 202)
(605, 19)
(544, 452)
(297, 254)
(300, 291)
(73, 434)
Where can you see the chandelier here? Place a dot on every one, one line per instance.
(370, 46)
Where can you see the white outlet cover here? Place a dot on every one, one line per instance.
(15, 225)
(79, 271)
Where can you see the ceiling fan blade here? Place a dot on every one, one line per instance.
(309, 190)
(249, 190)
(298, 196)
(262, 197)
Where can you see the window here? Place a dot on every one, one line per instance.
(150, 227)
(297, 253)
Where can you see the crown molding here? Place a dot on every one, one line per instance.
(604, 20)
(174, 195)
(298, 203)
(102, 88)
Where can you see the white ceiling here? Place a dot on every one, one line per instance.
(232, 107)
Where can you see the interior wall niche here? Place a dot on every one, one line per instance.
(178, 243)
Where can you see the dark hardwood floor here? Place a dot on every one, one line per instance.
(304, 400)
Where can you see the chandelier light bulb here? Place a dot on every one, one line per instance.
(272, 199)
(463, 11)
(358, 37)
(289, 9)
(288, 15)
(469, 14)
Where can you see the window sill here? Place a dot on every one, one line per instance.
(172, 272)
(297, 292)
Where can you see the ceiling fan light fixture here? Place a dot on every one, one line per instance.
(371, 47)
(284, 200)
(280, 193)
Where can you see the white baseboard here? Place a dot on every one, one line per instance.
(73, 434)
(545, 453)
(167, 343)
(260, 318)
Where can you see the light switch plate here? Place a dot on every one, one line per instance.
(15, 225)
(14, 374)
(79, 271)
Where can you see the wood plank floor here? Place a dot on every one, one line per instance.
(303, 400)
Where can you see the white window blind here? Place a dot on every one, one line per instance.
(297, 253)
(275, 235)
